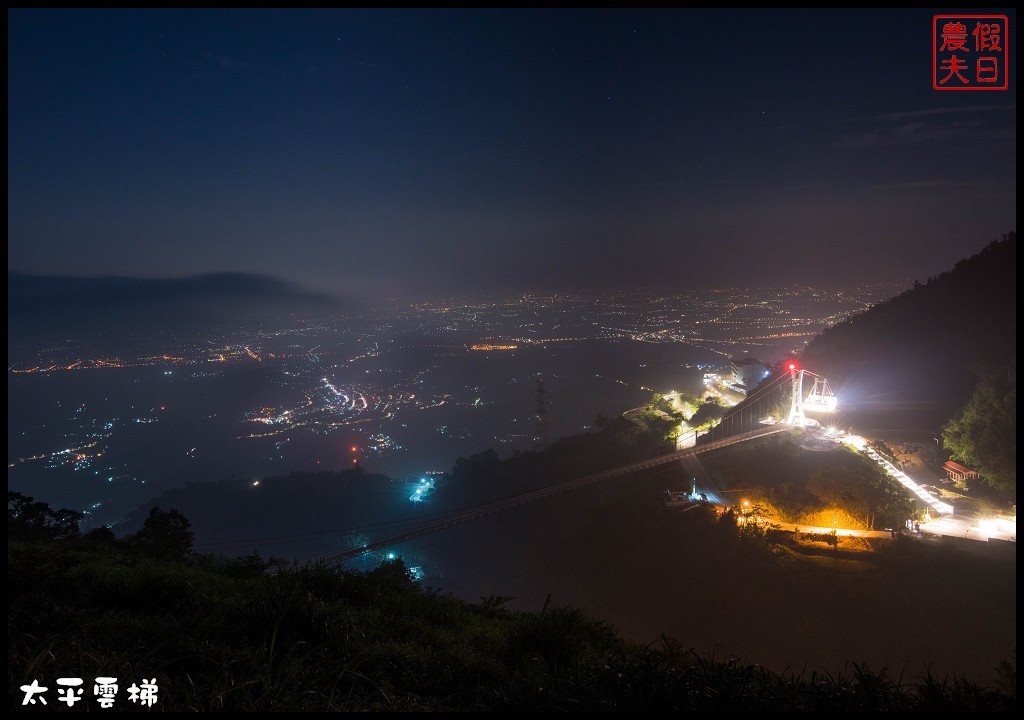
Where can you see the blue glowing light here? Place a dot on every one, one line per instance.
(391, 556)
(419, 494)
(416, 573)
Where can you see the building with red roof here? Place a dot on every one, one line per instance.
(959, 472)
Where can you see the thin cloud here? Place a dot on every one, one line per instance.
(897, 116)
(929, 112)
(925, 185)
(913, 133)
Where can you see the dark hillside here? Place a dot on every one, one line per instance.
(930, 343)
(232, 636)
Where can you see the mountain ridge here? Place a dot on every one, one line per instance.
(932, 342)
(44, 306)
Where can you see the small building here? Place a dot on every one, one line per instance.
(958, 472)
(749, 372)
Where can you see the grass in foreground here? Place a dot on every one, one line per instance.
(229, 635)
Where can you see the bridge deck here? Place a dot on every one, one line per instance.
(473, 513)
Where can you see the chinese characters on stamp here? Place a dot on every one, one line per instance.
(970, 52)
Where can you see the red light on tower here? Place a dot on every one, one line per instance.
(792, 366)
(355, 449)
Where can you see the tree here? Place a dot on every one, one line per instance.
(481, 466)
(710, 410)
(102, 535)
(984, 434)
(862, 493)
(842, 488)
(28, 519)
(166, 535)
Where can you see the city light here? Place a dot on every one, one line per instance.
(486, 347)
(422, 490)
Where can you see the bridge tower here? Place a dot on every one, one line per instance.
(820, 400)
(796, 405)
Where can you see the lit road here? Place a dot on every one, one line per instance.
(803, 528)
(972, 528)
(717, 387)
(714, 386)
(947, 522)
(840, 532)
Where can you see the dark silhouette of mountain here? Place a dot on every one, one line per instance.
(47, 293)
(41, 304)
(931, 343)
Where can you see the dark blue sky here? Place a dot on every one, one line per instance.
(449, 151)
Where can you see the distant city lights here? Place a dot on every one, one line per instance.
(323, 386)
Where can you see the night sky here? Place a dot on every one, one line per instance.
(440, 152)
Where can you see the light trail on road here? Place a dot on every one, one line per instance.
(942, 508)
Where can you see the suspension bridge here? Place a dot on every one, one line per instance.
(734, 430)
